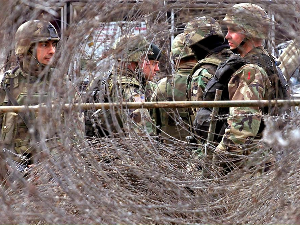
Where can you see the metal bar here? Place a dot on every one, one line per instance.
(213, 122)
(152, 105)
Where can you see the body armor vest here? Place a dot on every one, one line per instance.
(20, 89)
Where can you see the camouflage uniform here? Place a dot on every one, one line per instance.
(250, 82)
(150, 88)
(126, 85)
(25, 85)
(129, 89)
(204, 31)
(175, 123)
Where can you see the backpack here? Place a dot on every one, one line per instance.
(275, 74)
(208, 63)
(173, 122)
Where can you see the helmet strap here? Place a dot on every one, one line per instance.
(239, 48)
(31, 65)
(32, 53)
(39, 65)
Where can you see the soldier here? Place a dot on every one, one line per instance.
(150, 70)
(27, 84)
(206, 40)
(252, 77)
(173, 88)
(137, 65)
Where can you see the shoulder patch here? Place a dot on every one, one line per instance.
(249, 71)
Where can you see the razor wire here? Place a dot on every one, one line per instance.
(138, 178)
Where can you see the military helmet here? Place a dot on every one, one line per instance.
(179, 49)
(249, 17)
(132, 48)
(201, 28)
(31, 32)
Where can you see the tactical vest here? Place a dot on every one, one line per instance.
(209, 63)
(221, 78)
(220, 81)
(178, 123)
(15, 126)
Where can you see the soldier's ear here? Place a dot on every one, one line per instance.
(32, 49)
(145, 62)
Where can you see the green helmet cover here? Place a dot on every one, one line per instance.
(31, 32)
(179, 49)
(201, 28)
(249, 17)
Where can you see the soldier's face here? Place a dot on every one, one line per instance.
(234, 36)
(150, 67)
(45, 51)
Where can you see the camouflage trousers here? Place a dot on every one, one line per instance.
(255, 159)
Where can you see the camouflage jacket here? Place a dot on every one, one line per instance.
(124, 86)
(25, 90)
(150, 88)
(173, 122)
(250, 82)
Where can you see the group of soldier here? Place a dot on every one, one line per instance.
(205, 61)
